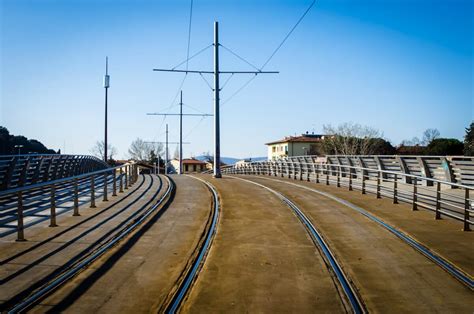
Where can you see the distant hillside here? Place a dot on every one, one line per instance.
(9, 141)
(232, 160)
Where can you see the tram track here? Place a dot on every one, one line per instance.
(47, 284)
(437, 259)
(350, 295)
(191, 271)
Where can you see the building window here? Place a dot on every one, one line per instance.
(273, 149)
(186, 168)
(194, 168)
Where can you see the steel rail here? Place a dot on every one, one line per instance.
(452, 269)
(193, 271)
(80, 266)
(347, 286)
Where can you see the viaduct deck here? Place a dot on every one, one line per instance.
(262, 256)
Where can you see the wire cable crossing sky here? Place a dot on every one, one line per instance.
(376, 63)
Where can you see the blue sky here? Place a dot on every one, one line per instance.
(399, 66)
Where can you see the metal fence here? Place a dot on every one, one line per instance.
(23, 170)
(454, 169)
(444, 198)
(19, 197)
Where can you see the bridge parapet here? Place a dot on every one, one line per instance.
(418, 181)
(23, 170)
(25, 197)
(455, 169)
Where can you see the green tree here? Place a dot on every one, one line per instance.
(445, 147)
(469, 141)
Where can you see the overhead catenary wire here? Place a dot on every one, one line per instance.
(189, 33)
(207, 83)
(190, 58)
(269, 58)
(239, 90)
(239, 57)
(288, 35)
(173, 102)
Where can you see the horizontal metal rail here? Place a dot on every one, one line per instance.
(125, 175)
(445, 198)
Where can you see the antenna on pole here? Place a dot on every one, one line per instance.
(181, 133)
(216, 72)
(106, 86)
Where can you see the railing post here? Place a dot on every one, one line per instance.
(76, 199)
(362, 190)
(126, 177)
(327, 175)
(438, 199)
(92, 192)
(378, 184)
(121, 180)
(105, 199)
(53, 206)
(317, 173)
(395, 189)
(20, 228)
(338, 177)
(350, 179)
(307, 172)
(415, 194)
(114, 185)
(467, 227)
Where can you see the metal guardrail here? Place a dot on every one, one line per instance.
(442, 197)
(454, 169)
(22, 170)
(127, 175)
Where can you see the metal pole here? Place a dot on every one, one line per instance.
(76, 199)
(105, 199)
(181, 134)
(415, 194)
(158, 168)
(20, 227)
(106, 86)
(467, 227)
(114, 191)
(166, 151)
(438, 199)
(217, 147)
(53, 207)
(92, 192)
(121, 180)
(395, 190)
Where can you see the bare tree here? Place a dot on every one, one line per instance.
(98, 150)
(140, 150)
(429, 135)
(415, 141)
(350, 139)
(208, 157)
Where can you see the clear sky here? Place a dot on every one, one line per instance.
(399, 66)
